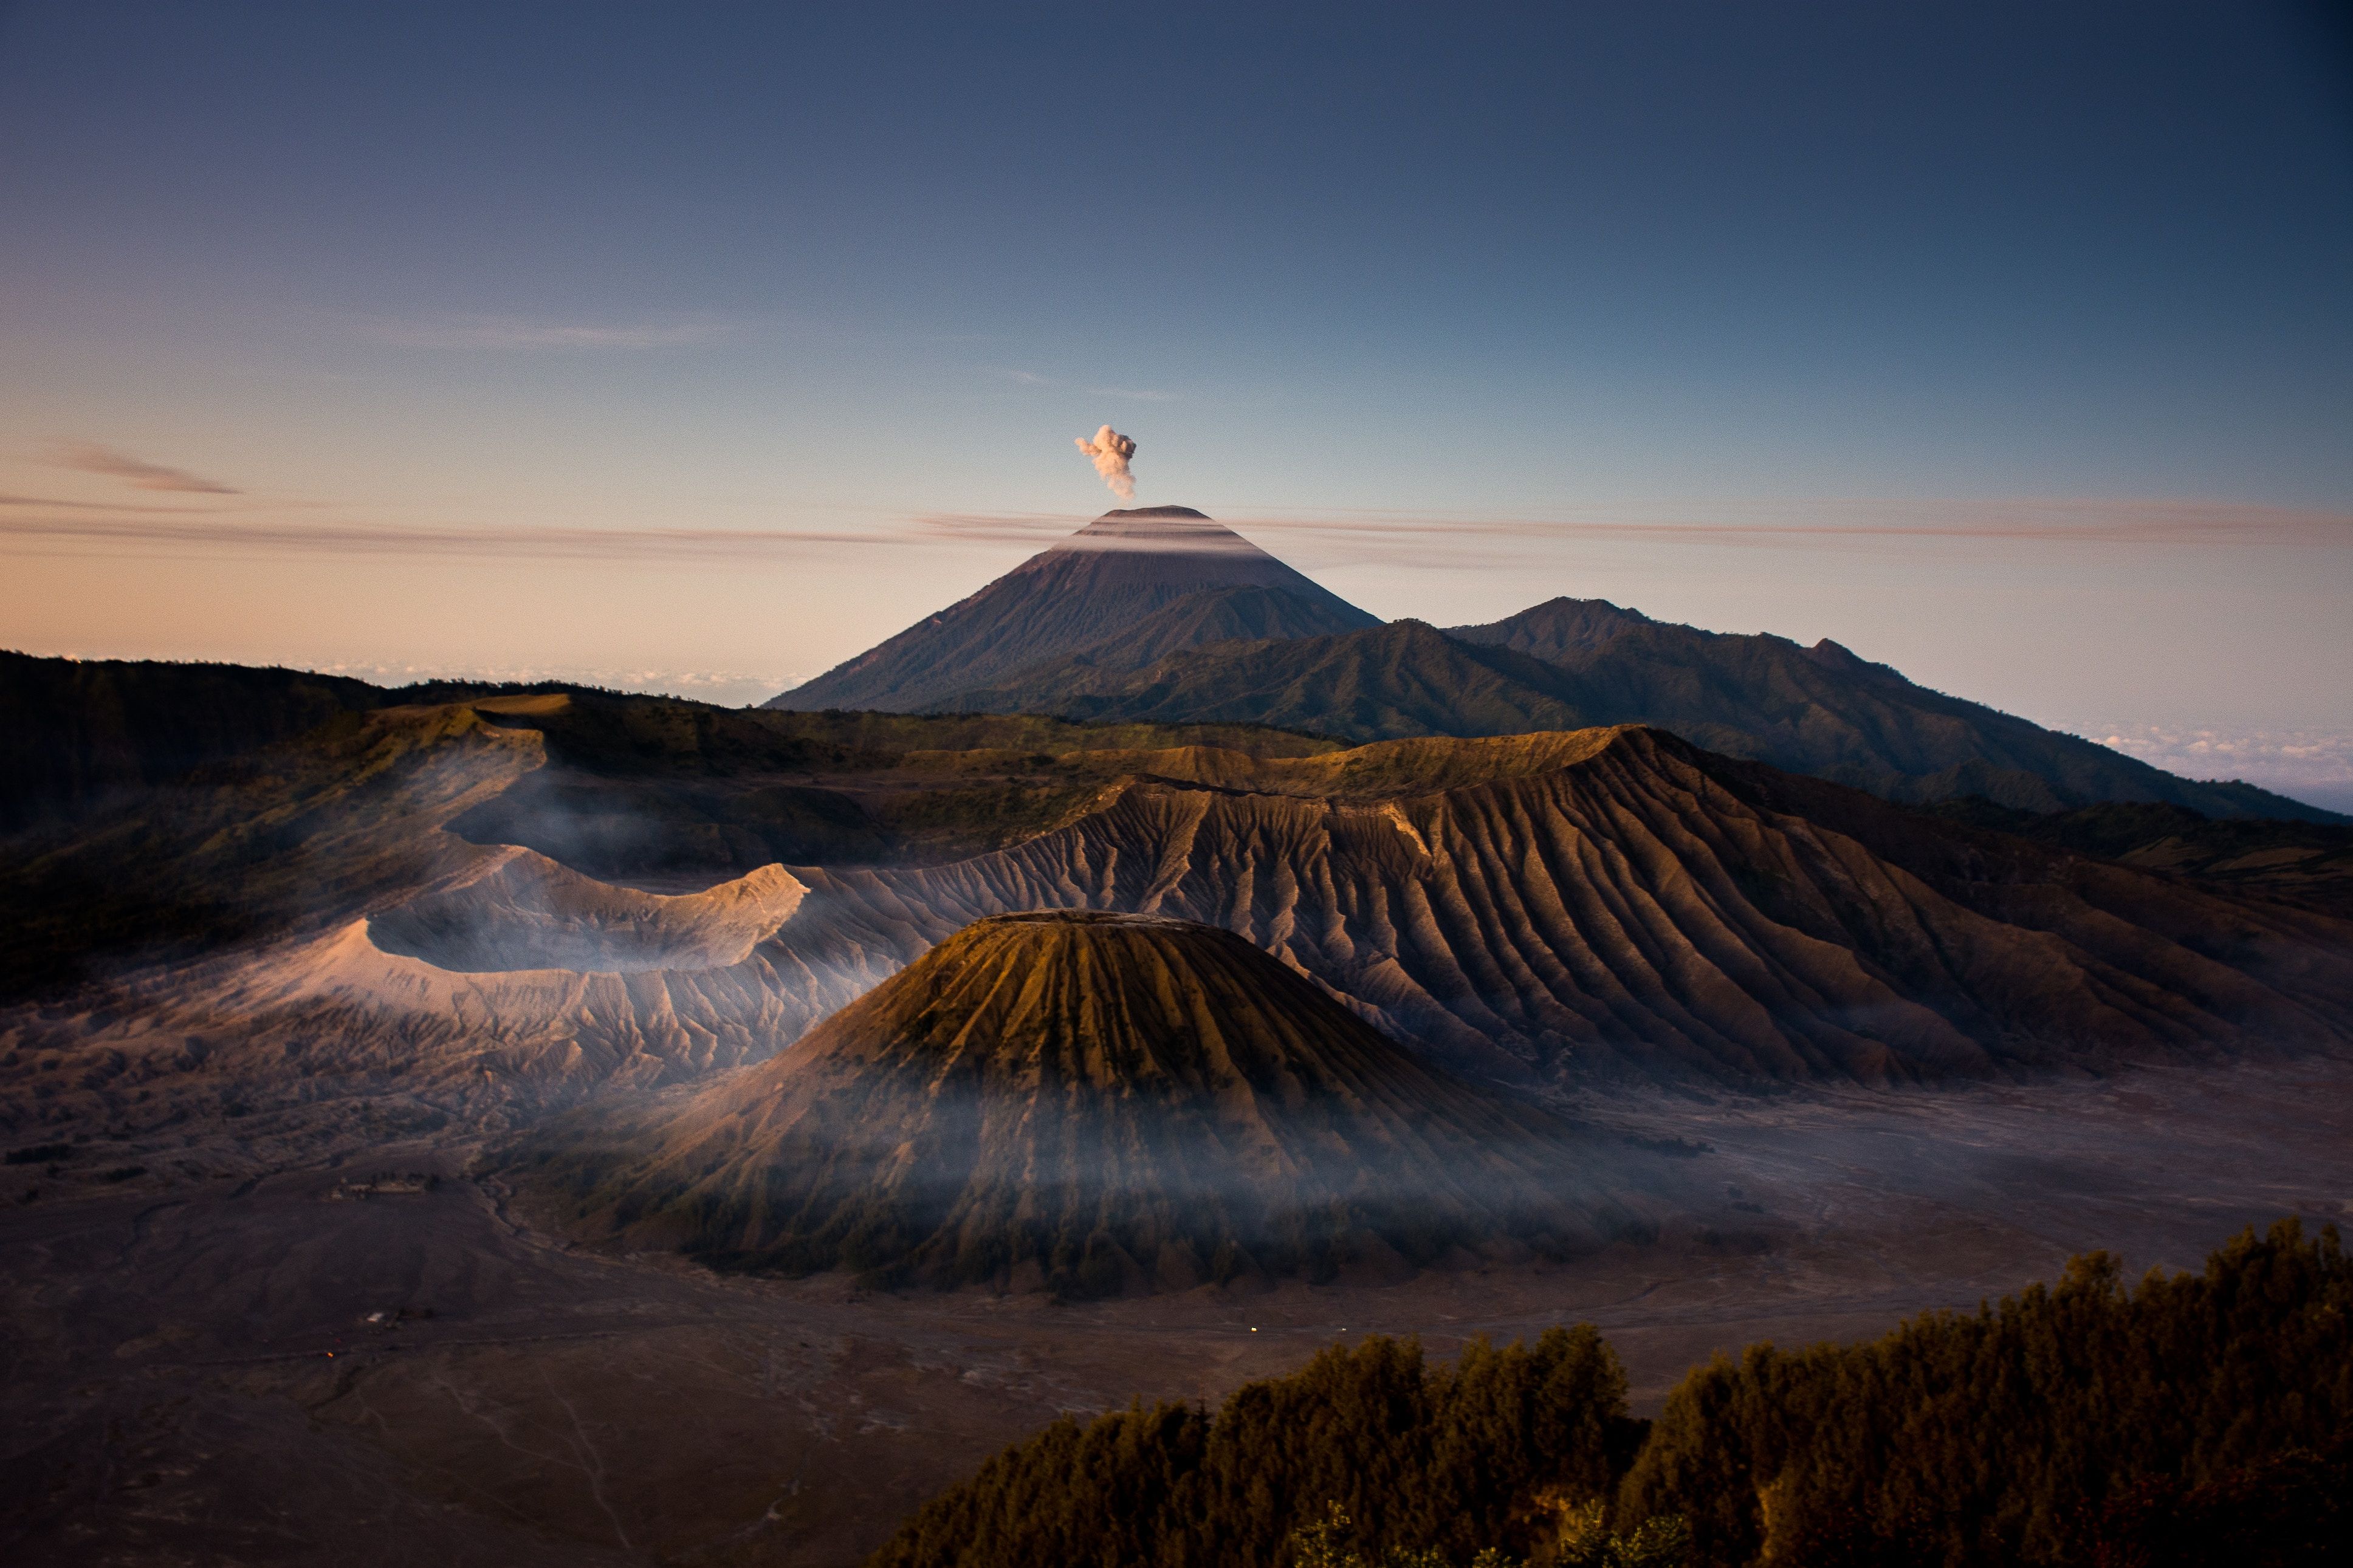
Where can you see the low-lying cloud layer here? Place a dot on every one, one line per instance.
(2311, 765)
(728, 689)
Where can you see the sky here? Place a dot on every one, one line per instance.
(698, 347)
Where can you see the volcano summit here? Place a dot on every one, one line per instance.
(1094, 586)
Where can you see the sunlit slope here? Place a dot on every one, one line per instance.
(1085, 1101)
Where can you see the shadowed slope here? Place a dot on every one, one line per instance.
(1569, 664)
(1092, 1102)
(298, 837)
(1556, 629)
(1101, 581)
(1214, 615)
(1824, 710)
(1399, 680)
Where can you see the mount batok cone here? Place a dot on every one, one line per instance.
(1088, 1102)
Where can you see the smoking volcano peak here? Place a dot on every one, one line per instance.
(1088, 589)
(1086, 1102)
(1163, 530)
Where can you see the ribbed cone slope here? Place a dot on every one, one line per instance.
(1087, 1102)
(1095, 585)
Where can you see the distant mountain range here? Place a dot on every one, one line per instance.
(1185, 622)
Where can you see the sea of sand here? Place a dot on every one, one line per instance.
(192, 1374)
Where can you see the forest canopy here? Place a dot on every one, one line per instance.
(2188, 1418)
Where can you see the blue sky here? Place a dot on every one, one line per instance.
(2012, 344)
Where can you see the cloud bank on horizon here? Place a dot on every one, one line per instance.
(1110, 451)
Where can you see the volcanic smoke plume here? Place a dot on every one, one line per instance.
(1110, 451)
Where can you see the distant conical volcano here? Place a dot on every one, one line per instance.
(1094, 586)
(1087, 1102)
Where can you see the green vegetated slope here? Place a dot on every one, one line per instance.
(2310, 862)
(92, 733)
(1087, 1102)
(1571, 664)
(1443, 1456)
(1557, 629)
(2194, 1419)
(83, 730)
(644, 787)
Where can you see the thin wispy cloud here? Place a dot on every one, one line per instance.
(517, 332)
(51, 502)
(1785, 525)
(1355, 537)
(2123, 521)
(83, 532)
(1133, 393)
(91, 458)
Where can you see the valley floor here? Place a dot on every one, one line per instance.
(190, 1377)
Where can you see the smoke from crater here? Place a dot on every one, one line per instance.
(1110, 451)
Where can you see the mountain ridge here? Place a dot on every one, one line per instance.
(1821, 710)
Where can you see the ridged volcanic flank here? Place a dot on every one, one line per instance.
(1085, 1100)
